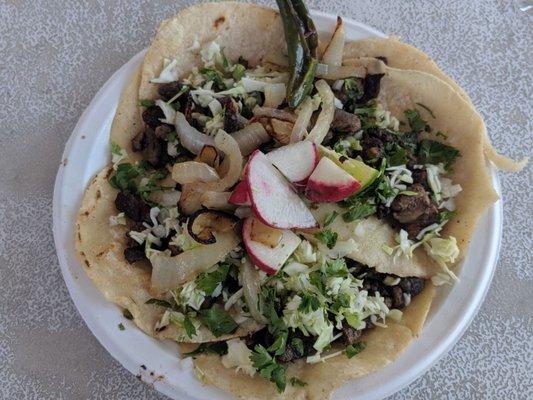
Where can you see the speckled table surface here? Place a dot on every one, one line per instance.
(55, 55)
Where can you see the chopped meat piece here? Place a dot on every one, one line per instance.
(137, 141)
(355, 267)
(407, 209)
(231, 115)
(397, 297)
(420, 176)
(133, 207)
(134, 254)
(152, 115)
(388, 302)
(162, 131)
(350, 335)
(345, 122)
(372, 148)
(154, 149)
(174, 250)
(430, 216)
(371, 87)
(168, 90)
(412, 286)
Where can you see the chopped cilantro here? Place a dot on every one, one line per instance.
(297, 382)
(427, 109)
(446, 215)
(355, 349)
(309, 303)
(219, 348)
(209, 281)
(432, 152)
(358, 210)
(298, 345)
(328, 237)
(124, 177)
(268, 368)
(218, 321)
(353, 88)
(330, 218)
(187, 324)
(121, 327)
(441, 134)
(238, 72)
(416, 122)
(215, 77)
(335, 268)
(146, 103)
(127, 314)
(315, 278)
(279, 345)
(397, 156)
(161, 303)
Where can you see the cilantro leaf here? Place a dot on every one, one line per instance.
(187, 324)
(309, 303)
(158, 302)
(330, 218)
(121, 327)
(416, 122)
(124, 177)
(238, 72)
(279, 345)
(335, 268)
(446, 215)
(432, 152)
(397, 156)
(208, 282)
(298, 345)
(297, 382)
(358, 210)
(215, 77)
(328, 237)
(219, 348)
(355, 349)
(218, 320)
(268, 368)
(353, 88)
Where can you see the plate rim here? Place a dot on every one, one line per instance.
(106, 340)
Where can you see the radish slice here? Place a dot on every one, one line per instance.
(296, 161)
(265, 257)
(273, 199)
(330, 183)
(240, 196)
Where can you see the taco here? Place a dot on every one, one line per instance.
(290, 206)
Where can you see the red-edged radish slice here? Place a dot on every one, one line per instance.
(295, 161)
(330, 183)
(273, 199)
(269, 259)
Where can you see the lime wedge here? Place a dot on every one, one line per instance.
(358, 169)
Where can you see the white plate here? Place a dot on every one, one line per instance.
(87, 151)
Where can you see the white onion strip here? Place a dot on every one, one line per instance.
(333, 53)
(229, 146)
(305, 111)
(251, 137)
(191, 138)
(323, 122)
(193, 172)
(251, 284)
(217, 201)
